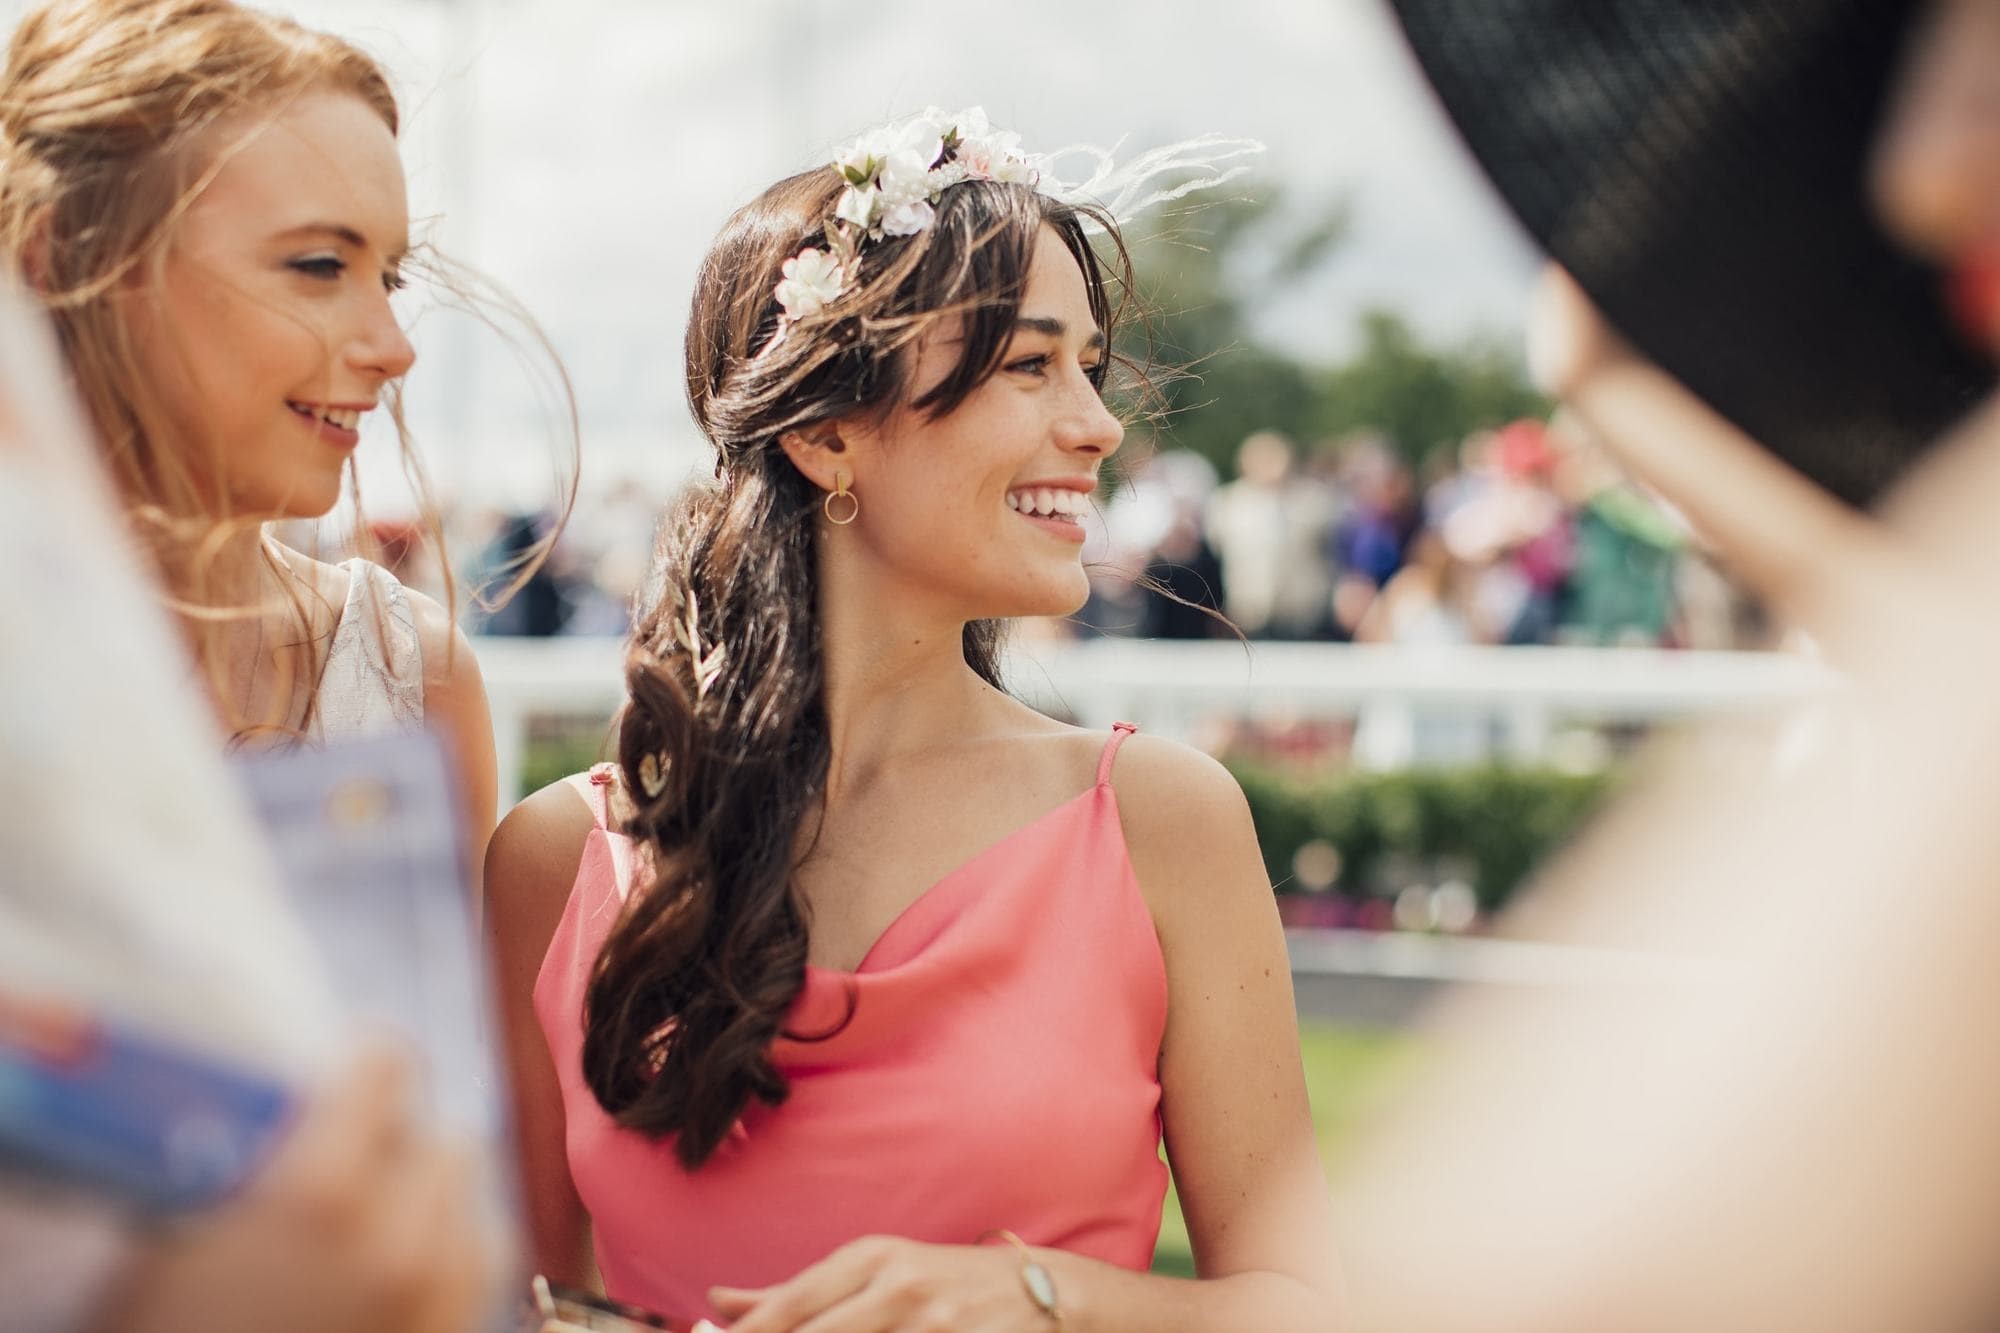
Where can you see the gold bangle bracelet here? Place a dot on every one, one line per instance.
(1035, 1277)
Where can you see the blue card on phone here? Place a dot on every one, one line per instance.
(154, 1124)
(365, 837)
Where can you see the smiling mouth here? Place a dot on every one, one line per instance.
(1061, 506)
(346, 418)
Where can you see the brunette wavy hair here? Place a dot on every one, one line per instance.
(723, 746)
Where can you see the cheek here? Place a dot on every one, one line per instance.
(177, 355)
(1929, 187)
(928, 520)
(1936, 173)
(245, 352)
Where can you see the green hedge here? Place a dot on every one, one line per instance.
(1491, 823)
(558, 747)
(1488, 824)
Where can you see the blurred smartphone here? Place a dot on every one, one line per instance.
(564, 1310)
(145, 1121)
(366, 836)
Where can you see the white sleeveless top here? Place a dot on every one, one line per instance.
(374, 675)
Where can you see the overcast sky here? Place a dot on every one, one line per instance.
(583, 152)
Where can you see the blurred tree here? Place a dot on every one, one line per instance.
(1420, 396)
(1202, 271)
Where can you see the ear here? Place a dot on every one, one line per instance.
(37, 269)
(819, 451)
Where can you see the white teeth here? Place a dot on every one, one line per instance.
(347, 418)
(1047, 502)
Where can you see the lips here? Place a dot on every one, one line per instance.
(338, 426)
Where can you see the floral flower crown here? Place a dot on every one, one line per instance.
(895, 175)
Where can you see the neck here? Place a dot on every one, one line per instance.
(238, 574)
(230, 627)
(896, 678)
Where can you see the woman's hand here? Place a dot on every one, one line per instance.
(881, 1284)
(362, 1222)
(1779, 533)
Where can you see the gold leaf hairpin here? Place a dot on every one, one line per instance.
(707, 666)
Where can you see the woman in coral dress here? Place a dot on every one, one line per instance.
(857, 994)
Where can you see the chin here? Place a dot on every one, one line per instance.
(1052, 599)
(312, 497)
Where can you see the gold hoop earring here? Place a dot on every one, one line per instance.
(840, 492)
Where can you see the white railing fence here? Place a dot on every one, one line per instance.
(1521, 695)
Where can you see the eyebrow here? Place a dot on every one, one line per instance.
(1055, 328)
(343, 233)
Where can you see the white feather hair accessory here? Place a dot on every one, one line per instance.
(897, 172)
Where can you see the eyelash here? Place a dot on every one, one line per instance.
(1037, 364)
(328, 268)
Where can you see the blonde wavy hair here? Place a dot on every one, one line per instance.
(108, 118)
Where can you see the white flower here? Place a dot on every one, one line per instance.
(905, 177)
(920, 138)
(859, 204)
(908, 219)
(999, 148)
(1016, 170)
(935, 122)
(812, 281)
(972, 123)
(995, 155)
(860, 160)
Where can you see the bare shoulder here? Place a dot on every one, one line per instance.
(448, 658)
(531, 863)
(1173, 794)
(1187, 825)
(455, 702)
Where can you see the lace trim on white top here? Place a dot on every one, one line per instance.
(374, 676)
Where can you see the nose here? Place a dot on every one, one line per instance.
(380, 348)
(1087, 426)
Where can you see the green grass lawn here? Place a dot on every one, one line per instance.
(1346, 1068)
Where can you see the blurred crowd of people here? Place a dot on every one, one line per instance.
(586, 586)
(1520, 535)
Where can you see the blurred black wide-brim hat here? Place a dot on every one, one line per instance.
(1701, 168)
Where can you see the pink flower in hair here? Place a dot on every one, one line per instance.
(813, 280)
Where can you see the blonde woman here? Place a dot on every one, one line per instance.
(208, 202)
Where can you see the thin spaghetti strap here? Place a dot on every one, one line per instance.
(595, 788)
(1119, 731)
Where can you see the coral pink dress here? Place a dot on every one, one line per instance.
(1000, 1069)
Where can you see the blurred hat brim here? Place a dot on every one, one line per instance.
(1701, 168)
